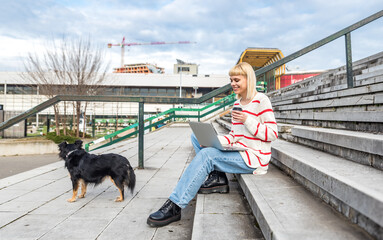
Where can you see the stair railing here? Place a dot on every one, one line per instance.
(167, 116)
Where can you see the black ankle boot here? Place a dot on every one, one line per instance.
(168, 213)
(216, 183)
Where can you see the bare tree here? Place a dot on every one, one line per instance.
(47, 73)
(73, 67)
(86, 71)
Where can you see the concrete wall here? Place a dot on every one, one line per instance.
(27, 147)
(17, 130)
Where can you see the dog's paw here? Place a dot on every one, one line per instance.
(119, 199)
(81, 196)
(71, 200)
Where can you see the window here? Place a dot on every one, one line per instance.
(2, 89)
(30, 90)
(108, 91)
(13, 89)
(144, 91)
(183, 92)
(117, 91)
(19, 89)
(127, 91)
(183, 69)
(135, 91)
(153, 92)
(162, 92)
(171, 92)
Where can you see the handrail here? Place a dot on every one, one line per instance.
(346, 32)
(164, 100)
(320, 43)
(228, 100)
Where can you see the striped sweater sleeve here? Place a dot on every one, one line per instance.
(264, 127)
(226, 139)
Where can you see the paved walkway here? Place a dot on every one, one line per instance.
(33, 204)
(11, 165)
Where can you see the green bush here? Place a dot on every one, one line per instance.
(70, 137)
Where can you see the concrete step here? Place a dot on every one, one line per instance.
(353, 189)
(224, 123)
(333, 80)
(224, 216)
(349, 187)
(326, 101)
(361, 147)
(286, 210)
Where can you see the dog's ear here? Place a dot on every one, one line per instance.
(62, 145)
(78, 143)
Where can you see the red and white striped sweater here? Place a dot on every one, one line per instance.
(259, 129)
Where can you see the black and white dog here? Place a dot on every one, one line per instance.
(85, 168)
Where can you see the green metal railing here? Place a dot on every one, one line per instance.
(346, 32)
(169, 115)
(140, 100)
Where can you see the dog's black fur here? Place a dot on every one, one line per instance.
(85, 168)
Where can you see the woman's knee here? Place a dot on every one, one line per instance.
(208, 154)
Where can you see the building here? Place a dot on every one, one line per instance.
(182, 67)
(146, 68)
(292, 77)
(262, 57)
(18, 95)
(277, 78)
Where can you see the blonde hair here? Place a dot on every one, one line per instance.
(246, 70)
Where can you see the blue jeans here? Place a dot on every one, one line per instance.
(206, 160)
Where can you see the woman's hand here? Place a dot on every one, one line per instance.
(239, 116)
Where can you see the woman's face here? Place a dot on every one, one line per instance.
(239, 85)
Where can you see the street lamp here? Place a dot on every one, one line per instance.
(180, 81)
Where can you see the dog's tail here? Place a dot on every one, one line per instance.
(130, 182)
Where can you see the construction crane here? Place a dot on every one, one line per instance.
(123, 44)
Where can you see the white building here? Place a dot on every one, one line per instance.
(185, 68)
(16, 94)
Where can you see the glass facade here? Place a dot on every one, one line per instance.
(145, 91)
(110, 91)
(20, 89)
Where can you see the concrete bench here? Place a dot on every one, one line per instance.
(284, 209)
(361, 147)
(353, 189)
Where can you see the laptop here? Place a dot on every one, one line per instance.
(207, 136)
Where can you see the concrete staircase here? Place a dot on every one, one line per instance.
(326, 179)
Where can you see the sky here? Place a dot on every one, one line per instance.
(222, 30)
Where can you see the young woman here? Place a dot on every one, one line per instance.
(254, 128)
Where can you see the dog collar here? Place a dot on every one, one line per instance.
(69, 153)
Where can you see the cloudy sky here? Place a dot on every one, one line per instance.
(222, 29)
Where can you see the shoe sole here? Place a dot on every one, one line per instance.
(154, 223)
(218, 189)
